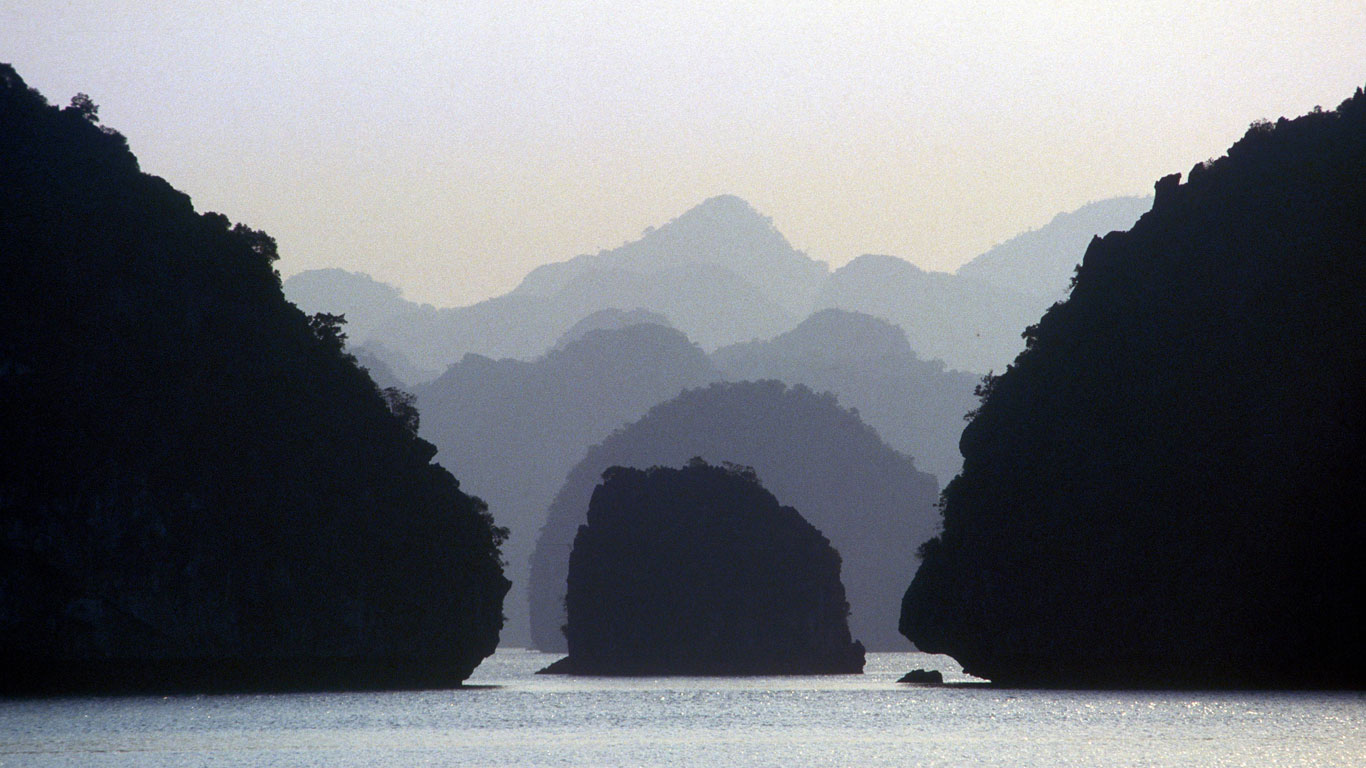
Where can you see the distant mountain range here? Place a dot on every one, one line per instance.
(583, 347)
(973, 319)
(723, 275)
(720, 272)
(513, 429)
(870, 501)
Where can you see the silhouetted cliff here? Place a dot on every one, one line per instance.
(200, 488)
(1165, 488)
(513, 429)
(699, 571)
(811, 453)
(915, 405)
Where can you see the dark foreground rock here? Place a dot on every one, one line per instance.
(699, 571)
(1165, 488)
(927, 676)
(200, 490)
(872, 502)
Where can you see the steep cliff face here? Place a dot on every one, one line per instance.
(200, 488)
(1165, 487)
(870, 500)
(700, 571)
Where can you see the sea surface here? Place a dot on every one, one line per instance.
(509, 716)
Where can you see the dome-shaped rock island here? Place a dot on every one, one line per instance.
(700, 571)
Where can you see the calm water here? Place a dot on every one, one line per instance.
(520, 719)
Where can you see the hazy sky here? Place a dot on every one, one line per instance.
(450, 147)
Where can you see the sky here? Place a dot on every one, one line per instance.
(450, 147)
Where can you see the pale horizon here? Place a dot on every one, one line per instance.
(449, 151)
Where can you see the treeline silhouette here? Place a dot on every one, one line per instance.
(1165, 488)
(808, 451)
(699, 571)
(200, 488)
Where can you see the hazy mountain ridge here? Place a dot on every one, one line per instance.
(969, 324)
(610, 319)
(1042, 261)
(367, 302)
(973, 319)
(722, 231)
(720, 272)
(724, 275)
(708, 302)
(916, 406)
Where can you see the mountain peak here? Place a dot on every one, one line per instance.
(722, 231)
(878, 265)
(729, 206)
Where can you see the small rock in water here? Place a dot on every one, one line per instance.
(922, 676)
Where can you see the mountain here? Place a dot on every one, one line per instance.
(378, 356)
(708, 302)
(1041, 262)
(699, 571)
(973, 319)
(1165, 488)
(368, 306)
(610, 319)
(724, 275)
(513, 429)
(201, 490)
(722, 233)
(366, 302)
(915, 405)
(720, 272)
(378, 370)
(969, 324)
(820, 458)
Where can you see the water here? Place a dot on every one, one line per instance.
(519, 719)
